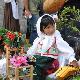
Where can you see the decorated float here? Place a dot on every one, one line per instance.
(17, 66)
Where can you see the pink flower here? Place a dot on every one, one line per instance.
(19, 60)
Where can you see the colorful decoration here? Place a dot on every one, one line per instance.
(12, 39)
(52, 6)
(10, 35)
(66, 71)
(19, 61)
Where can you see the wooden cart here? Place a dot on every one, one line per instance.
(16, 70)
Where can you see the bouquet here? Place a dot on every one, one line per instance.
(12, 39)
(18, 61)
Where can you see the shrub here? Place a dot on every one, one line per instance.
(69, 22)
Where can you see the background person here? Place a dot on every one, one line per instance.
(11, 17)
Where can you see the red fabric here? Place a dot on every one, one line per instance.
(51, 54)
(55, 66)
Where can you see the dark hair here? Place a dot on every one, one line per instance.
(45, 21)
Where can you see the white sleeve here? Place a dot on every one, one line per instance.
(64, 47)
(33, 48)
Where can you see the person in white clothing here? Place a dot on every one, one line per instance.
(49, 48)
(11, 17)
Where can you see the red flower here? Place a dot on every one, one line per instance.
(10, 35)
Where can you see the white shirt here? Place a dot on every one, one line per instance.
(63, 46)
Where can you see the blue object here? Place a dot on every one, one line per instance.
(33, 36)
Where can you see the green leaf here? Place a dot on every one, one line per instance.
(7, 41)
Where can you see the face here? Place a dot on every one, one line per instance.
(49, 30)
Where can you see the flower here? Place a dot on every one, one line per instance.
(10, 35)
(19, 61)
(13, 39)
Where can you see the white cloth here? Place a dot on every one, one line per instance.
(7, 1)
(40, 34)
(55, 16)
(3, 67)
(15, 9)
(47, 41)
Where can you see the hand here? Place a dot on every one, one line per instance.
(27, 13)
(74, 63)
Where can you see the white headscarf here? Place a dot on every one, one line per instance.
(40, 34)
(15, 9)
(42, 38)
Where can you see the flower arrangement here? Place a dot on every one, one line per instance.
(19, 61)
(13, 39)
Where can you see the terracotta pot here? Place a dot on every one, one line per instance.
(51, 6)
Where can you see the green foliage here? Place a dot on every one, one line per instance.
(13, 39)
(68, 18)
(76, 78)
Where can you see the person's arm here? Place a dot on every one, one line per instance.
(64, 47)
(33, 48)
(26, 6)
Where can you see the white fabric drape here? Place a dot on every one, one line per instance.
(15, 9)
